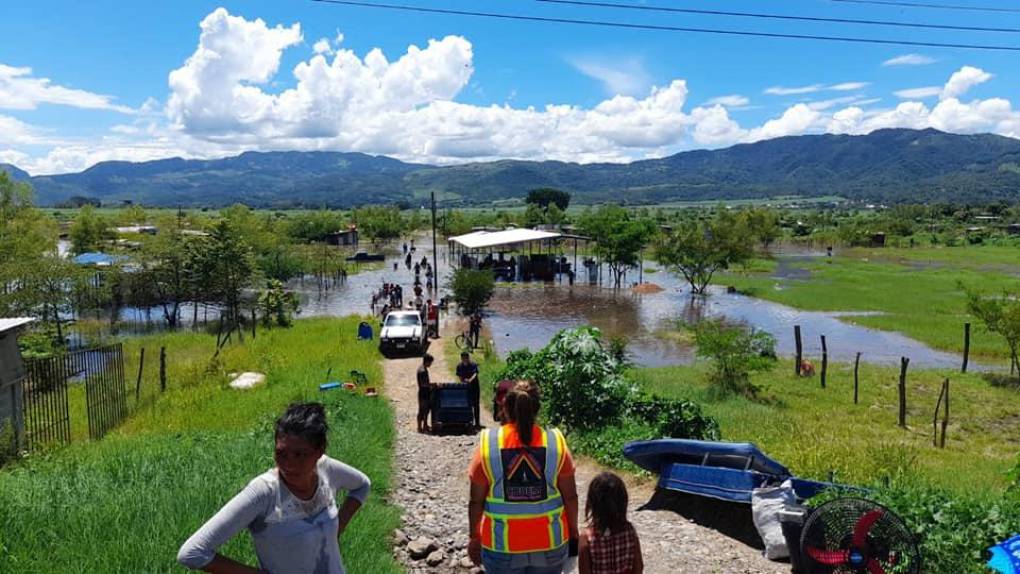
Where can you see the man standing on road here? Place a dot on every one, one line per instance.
(467, 372)
(424, 393)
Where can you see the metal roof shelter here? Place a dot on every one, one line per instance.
(507, 237)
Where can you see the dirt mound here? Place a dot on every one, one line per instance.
(646, 288)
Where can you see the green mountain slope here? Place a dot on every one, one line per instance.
(886, 166)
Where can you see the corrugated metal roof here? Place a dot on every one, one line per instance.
(482, 239)
(14, 323)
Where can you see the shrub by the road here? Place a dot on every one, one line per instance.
(586, 391)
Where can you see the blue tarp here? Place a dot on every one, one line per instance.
(99, 259)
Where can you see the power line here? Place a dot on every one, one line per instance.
(936, 6)
(662, 28)
(780, 16)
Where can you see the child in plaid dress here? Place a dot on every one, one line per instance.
(609, 545)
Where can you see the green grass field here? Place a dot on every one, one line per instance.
(127, 502)
(814, 430)
(916, 290)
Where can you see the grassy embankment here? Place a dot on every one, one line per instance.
(126, 503)
(916, 290)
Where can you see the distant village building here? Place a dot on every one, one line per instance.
(146, 229)
(98, 259)
(348, 236)
(878, 239)
(1013, 229)
(12, 373)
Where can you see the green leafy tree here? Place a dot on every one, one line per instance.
(543, 197)
(619, 237)
(696, 250)
(231, 269)
(277, 305)
(735, 352)
(27, 236)
(167, 261)
(763, 224)
(380, 223)
(1000, 315)
(472, 289)
(88, 231)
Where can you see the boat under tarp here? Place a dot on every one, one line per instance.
(723, 470)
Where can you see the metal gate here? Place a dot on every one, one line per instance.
(46, 411)
(105, 395)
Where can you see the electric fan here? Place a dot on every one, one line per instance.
(854, 535)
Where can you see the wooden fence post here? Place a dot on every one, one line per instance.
(253, 323)
(825, 360)
(966, 346)
(935, 417)
(138, 383)
(857, 365)
(800, 349)
(945, 416)
(903, 391)
(162, 369)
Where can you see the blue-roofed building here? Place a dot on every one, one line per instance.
(98, 259)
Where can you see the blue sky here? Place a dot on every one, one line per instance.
(88, 82)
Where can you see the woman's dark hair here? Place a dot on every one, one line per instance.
(606, 507)
(306, 420)
(522, 403)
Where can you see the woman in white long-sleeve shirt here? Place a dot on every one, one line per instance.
(291, 510)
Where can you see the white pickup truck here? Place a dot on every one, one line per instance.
(402, 331)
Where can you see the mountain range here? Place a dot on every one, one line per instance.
(892, 165)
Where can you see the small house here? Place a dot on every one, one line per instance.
(877, 239)
(348, 236)
(12, 372)
(1013, 229)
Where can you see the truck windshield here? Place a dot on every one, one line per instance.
(402, 320)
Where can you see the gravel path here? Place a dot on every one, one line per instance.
(432, 489)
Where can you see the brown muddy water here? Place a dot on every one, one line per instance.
(528, 315)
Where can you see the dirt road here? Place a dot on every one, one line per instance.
(431, 487)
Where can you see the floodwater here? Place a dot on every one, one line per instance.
(528, 315)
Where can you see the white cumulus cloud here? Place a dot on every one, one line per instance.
(963, 80)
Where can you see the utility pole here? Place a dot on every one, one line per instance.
(435, 259)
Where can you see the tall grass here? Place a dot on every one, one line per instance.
(126, 503)
(814, 430)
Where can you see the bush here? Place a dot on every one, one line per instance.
(585, 389)
(582, 383)
(675, 418)
(736, 352)
(472, 289)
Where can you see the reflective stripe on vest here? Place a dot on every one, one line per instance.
(500, 516)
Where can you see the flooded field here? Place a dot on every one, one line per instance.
(528, 315)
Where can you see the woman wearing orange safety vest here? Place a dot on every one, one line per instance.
(523, 510)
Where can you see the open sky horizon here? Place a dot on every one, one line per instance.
(81, 84)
